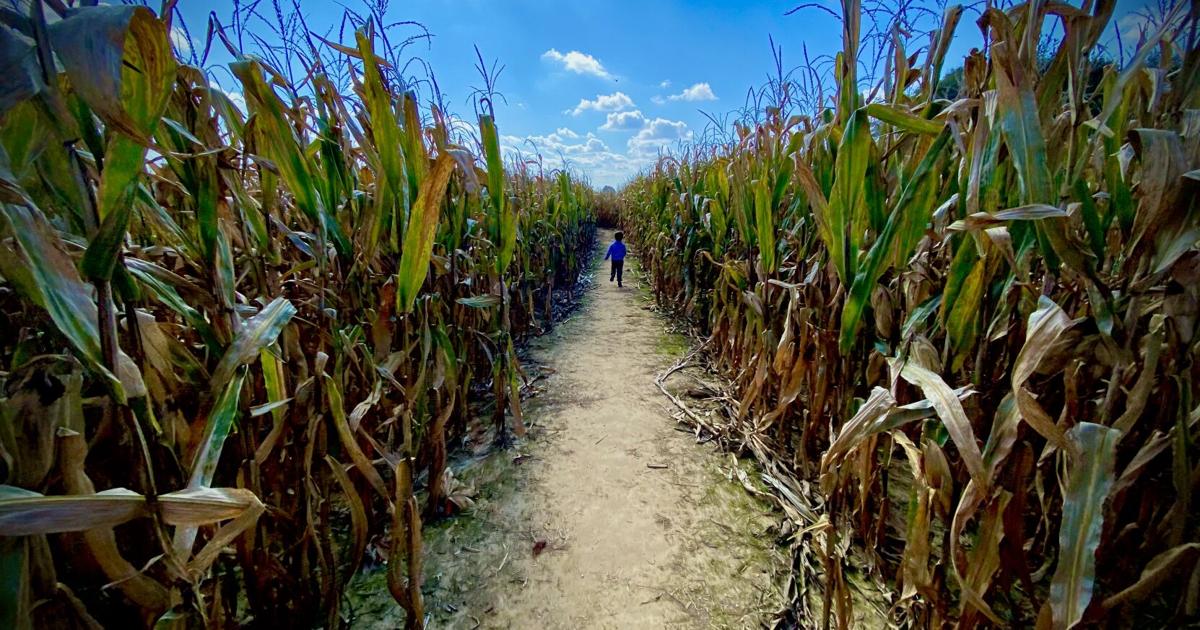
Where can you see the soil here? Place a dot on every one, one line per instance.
(606, 515)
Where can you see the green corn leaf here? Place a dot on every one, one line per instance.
(20, 73)
(902, 119)
(273, 383)
(102, 253)
(169, 296)
(224, 106)
(388, 146)
(1091, 477)
(59, 288)
(415, 156)
(503, 224)
(847, 59)
(15, 596)
(119, 60)
(1091, 218)
(960, 266)
(442, 338)
(1022, 131)
(161, 224)
(224, 272)
(961, 323)
(278, 139)
(419, 237)
(216, 428)
(273, 408)
(901, 234)
(256, 333)
(200, 176)
(764, 224)
(920, 315)
(847, 209)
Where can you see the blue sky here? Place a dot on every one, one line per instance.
(604, 84)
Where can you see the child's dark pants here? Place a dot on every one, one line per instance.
(618, 266)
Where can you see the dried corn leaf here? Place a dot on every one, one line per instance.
(26, 513)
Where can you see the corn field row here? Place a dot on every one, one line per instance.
(235, 341)
(964, 322)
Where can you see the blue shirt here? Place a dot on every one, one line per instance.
(616, 251)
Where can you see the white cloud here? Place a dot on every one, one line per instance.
(181, 41)
(615, 102)
(586, 154)
(657, 100)
(698, 92)
(666, 83)
(1132, 28)
(624, 121)
(589, 155)
(577, 62)
(1135, 26)
(657, 134)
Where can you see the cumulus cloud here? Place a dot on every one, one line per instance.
(581, 153)
(180, 40)
(589, 154)
(577, 62)
(666, 83)
(1134, 27)
(656, 134)
(698, 92)
(615, 102)
(624, 121)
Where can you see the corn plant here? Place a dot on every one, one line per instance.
(966, 321)
(239, 342)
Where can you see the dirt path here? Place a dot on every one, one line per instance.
(608, 517)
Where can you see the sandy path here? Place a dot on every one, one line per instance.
(589, 530)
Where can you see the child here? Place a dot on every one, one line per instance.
(616, 251)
